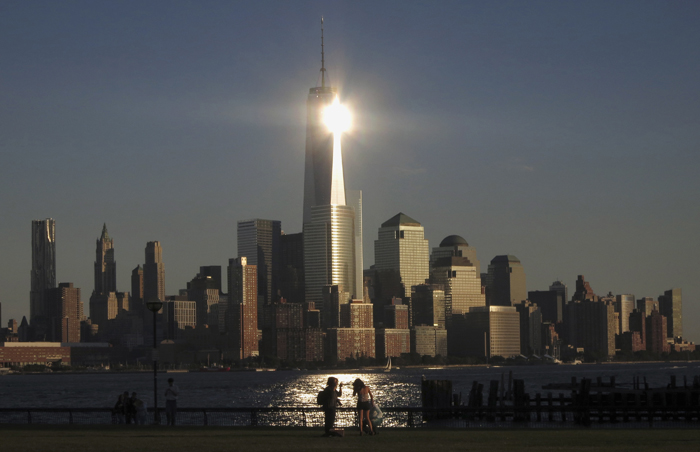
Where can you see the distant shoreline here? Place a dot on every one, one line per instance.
(339, 369)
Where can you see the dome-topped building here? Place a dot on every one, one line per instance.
(455, 246)
(453, 240)
(454, 266)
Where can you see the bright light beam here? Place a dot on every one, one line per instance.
(337, 117)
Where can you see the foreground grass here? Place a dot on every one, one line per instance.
(211, 439)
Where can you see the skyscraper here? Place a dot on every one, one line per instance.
(329, 224)
(43, 274)
(154, 273)
(561, 288)
(137, 284)
(354, 198)
(291, 281)
(506, 281)
(671, 306)
(428, 305)
(259, 242)
(455, 246)
(329, 250)
(624, 305)
(65, 313)
(319, 187)
(402, 247)
(105, 266)
(242, 311)
(461, 282)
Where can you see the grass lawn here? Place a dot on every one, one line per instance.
(207, 439)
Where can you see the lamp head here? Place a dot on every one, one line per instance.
(154, 305)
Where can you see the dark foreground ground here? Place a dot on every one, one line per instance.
(208, 439)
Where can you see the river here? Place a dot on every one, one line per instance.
(400, 387)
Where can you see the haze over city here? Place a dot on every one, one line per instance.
(565, 134)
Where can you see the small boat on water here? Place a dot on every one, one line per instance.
(388, 365)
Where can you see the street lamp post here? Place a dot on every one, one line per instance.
(154, 306)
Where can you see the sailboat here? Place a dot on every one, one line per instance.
(388, 365)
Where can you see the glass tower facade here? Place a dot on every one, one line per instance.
(354, 198)
(259, 242)
(318, 170)
(329, 226)
(461, 282)
(506, 281)
(43, 275)
(329, 250)
(401, 246)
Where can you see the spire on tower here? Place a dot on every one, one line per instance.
(323, 62)
(105, 234)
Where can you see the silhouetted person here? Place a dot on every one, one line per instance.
(118, 410)
(129, 409)
(330, 403)
(171, 393)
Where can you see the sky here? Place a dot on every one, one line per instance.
(564, 133)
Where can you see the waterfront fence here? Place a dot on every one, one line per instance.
(535, 416)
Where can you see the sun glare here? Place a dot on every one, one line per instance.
(337, 117)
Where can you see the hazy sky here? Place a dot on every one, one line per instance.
(565, 133)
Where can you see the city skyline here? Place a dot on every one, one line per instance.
(562, 134)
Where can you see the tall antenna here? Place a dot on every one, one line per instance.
(323, 62)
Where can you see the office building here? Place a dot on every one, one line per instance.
(455, 246)
(530, 328)
(242, 310)
(396, 315)
(285, 337)
(594, 327)
(43, 275)
(671, 306)
(137, 286)
(392, 342)
(505, 285)
(647, 305)
(105, 265)
(107, 306)
(354, 200)
(259, 242)
(291, 261)
(551, 304)
(657, 333)
(329, 223)
(356, 335)
(333, 298)
(624, 305)
(461, 282)
(154, 273)
(559, 287)
(65, 313)
(202, 290)
(213, 272)
(401, 247)
(329, 250)
(356, 314)
(486, 331)
(354, 343)
(178, 314)
(428, 340)
(428, 305)
(584, 292)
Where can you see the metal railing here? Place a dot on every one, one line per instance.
(396, 417)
